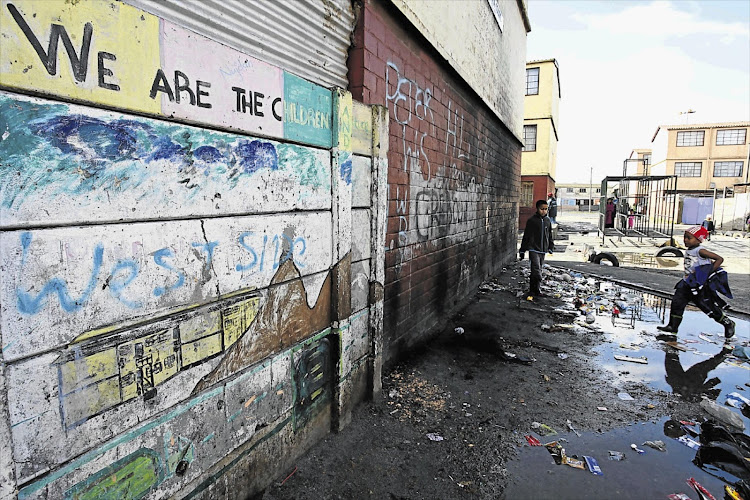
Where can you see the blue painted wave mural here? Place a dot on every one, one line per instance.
(85, 157)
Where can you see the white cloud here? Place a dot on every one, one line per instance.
(661, 19)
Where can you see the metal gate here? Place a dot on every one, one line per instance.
(644, 206)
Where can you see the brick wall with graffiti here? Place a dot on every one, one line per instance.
(191, 248)
(453, 175)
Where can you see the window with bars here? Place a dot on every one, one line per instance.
(691, 138)
(532, 81)
(731, 137)
(688, 168)
(727, 168)
(583, 190)
(569, 190)
(527, 194)
(529, 137)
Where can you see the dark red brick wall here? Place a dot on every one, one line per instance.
(453, 176)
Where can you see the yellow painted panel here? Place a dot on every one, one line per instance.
(91, 400)
(88, 370)
(128, 378)
(362, 129)
(237, 319)
(102, 52)
(200, 349)
(200, 325)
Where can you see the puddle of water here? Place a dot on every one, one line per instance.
(703, 368)
(654, 474)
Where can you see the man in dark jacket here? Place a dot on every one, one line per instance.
(552, 204)
(537, 240)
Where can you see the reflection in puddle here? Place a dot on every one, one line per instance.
(693, 364)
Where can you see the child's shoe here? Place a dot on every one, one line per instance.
(667, 328)
(728, 327)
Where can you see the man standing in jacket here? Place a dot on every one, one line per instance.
(537, 240)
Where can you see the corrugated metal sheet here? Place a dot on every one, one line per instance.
(309, 38)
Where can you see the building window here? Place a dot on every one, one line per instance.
(532, 81)
(687, 169)
(731, 137)
(691, 138)
(582, 190)
(598, 190)
(527, 194)
(529, 137)
(727, 168)
(569, 190)
(647, 158)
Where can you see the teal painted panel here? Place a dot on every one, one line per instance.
(308, 112)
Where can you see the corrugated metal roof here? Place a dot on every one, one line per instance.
(309, 38)
(706, 125)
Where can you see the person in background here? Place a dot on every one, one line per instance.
(709, 225)
(552, 208)
(703, 278)
(537, 240)
(609, 213)
(631, 219)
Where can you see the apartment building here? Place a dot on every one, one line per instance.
(578, 196)
(703, 156)
(540, 124)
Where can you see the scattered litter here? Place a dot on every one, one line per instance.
(593, 465)
(675, 345)
(546, 378)
(573, 462)
(742, 352)
(625, 396)
(703, 337)
(562, 355)
(435, 437)
(458, 330)
(650, 406)
(689, 442)
(643, 359)
(532, 440)
(737, 400)
(657, 445)
(515, 358)
(572, 429)
(678, 496)
(731, 493)
(702, 492)
(687, 422)
(601, 408)
(723, 413)
(636, 449)
(617, 456)
(556, 450)
(543, 429)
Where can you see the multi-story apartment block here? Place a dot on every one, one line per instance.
(639, 162)
(578, 196)
(540, 123)
(703, 156)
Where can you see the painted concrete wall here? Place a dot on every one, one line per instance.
(453, 179)
(486, 48)
(185, 293)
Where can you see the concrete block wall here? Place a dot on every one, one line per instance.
(453, 175)
(189, 266)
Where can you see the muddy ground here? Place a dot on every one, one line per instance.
(461, 388)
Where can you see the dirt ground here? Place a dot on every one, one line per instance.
(454, 412)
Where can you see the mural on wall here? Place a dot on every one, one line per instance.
(168, 288)
(155, 67)
(128, 167)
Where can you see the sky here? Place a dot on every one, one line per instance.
(627, 67)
